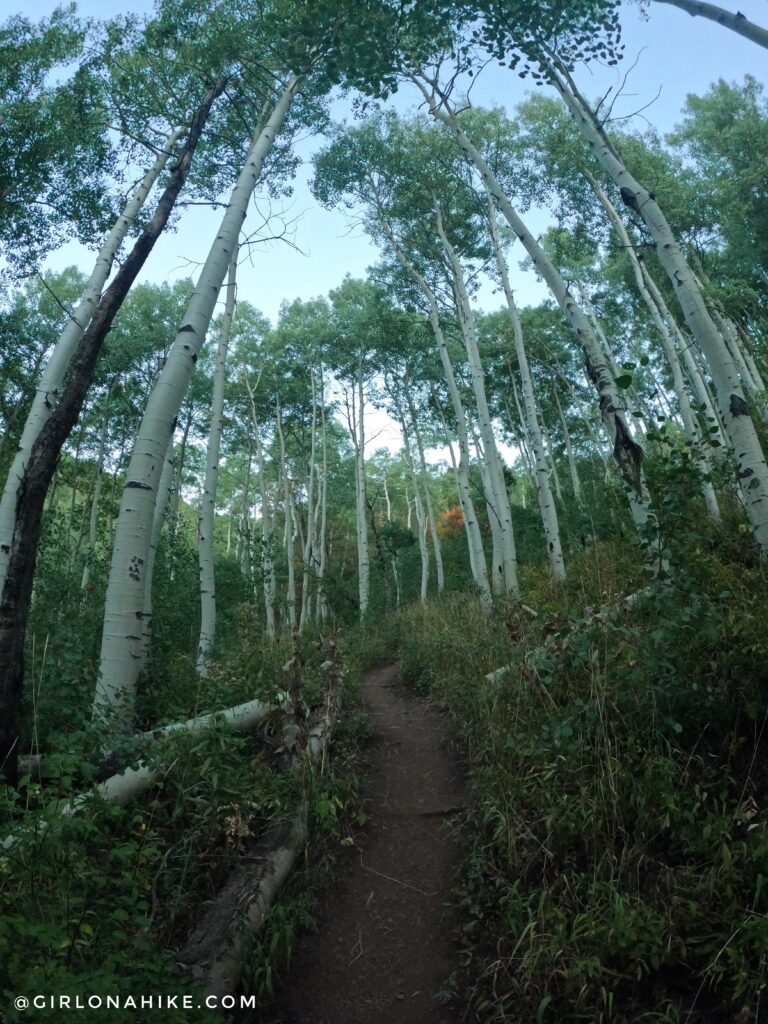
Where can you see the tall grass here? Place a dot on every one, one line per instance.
(618, 861)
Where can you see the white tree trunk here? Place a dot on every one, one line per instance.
(311, 514)
(52, 378)
(163, 496)
(408, 457)
(267, 542)
(574, 471)
(750, 460)
(94, 516)
(670, 351)
(496, 479)
(363, 557)
(474, 538)
(206, 518)
(544, 491)
(627, 452)
(736, 22)
(289, 527)
(116, 685)
(322, 543)
(431, 518)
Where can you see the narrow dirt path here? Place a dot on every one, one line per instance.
(384, 947)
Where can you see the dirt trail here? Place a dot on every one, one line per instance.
(384, 946)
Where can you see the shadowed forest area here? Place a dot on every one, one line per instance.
(401, 656)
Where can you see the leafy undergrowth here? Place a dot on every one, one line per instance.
(98, 904)
(618, 869)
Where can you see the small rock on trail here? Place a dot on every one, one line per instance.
(384, 946)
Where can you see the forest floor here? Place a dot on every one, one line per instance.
(385, 943)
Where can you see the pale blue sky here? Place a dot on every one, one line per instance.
(674, 51)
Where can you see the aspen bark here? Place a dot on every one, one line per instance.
(358, 436)
(269, 584)
(116, 685)
(311, 513)
(750, 460)
(496, 481)
(688, 354)
(206, 517)
(543, 490)
(626, 451)
(668, 345)
(736, 22)
(322, 543)
(49, 386)
(573, 468)
(161, 507)
(420, 517)
(430, 508)
(289, 527)
(93, 520)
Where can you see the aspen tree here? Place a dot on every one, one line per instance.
(544, 491)
(48, 388)
(474, 538)
(269, 585)
(43, 456)
(421, 519)
(431, 519)
(289, 521)
(507, 569)
(736, 22)
(309, 540)
(116, 685)
(207, 512)
(670, 351)
(748, 453)
(626, 450)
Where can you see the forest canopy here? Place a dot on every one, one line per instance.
(522, 451)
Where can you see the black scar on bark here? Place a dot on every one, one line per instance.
(186, 327)
(135, 483)
(738, 406)
(629, 199)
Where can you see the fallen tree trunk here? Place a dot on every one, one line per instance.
(241, 717)
(124, 785)
(607, 614)
(216, 951)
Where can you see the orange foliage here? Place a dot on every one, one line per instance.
(451, 521)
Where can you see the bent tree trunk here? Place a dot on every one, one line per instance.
(750, 460)
(116, 687)
(626, 451)
(207, 515)
(736, 22)
(52, 379)
(43, 457)
(670, 351)
(544, 491)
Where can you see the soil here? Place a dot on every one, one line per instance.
(385, 946)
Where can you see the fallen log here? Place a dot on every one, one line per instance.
(606, 614)
(216, 950)
(128, 783)
(215, 953)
